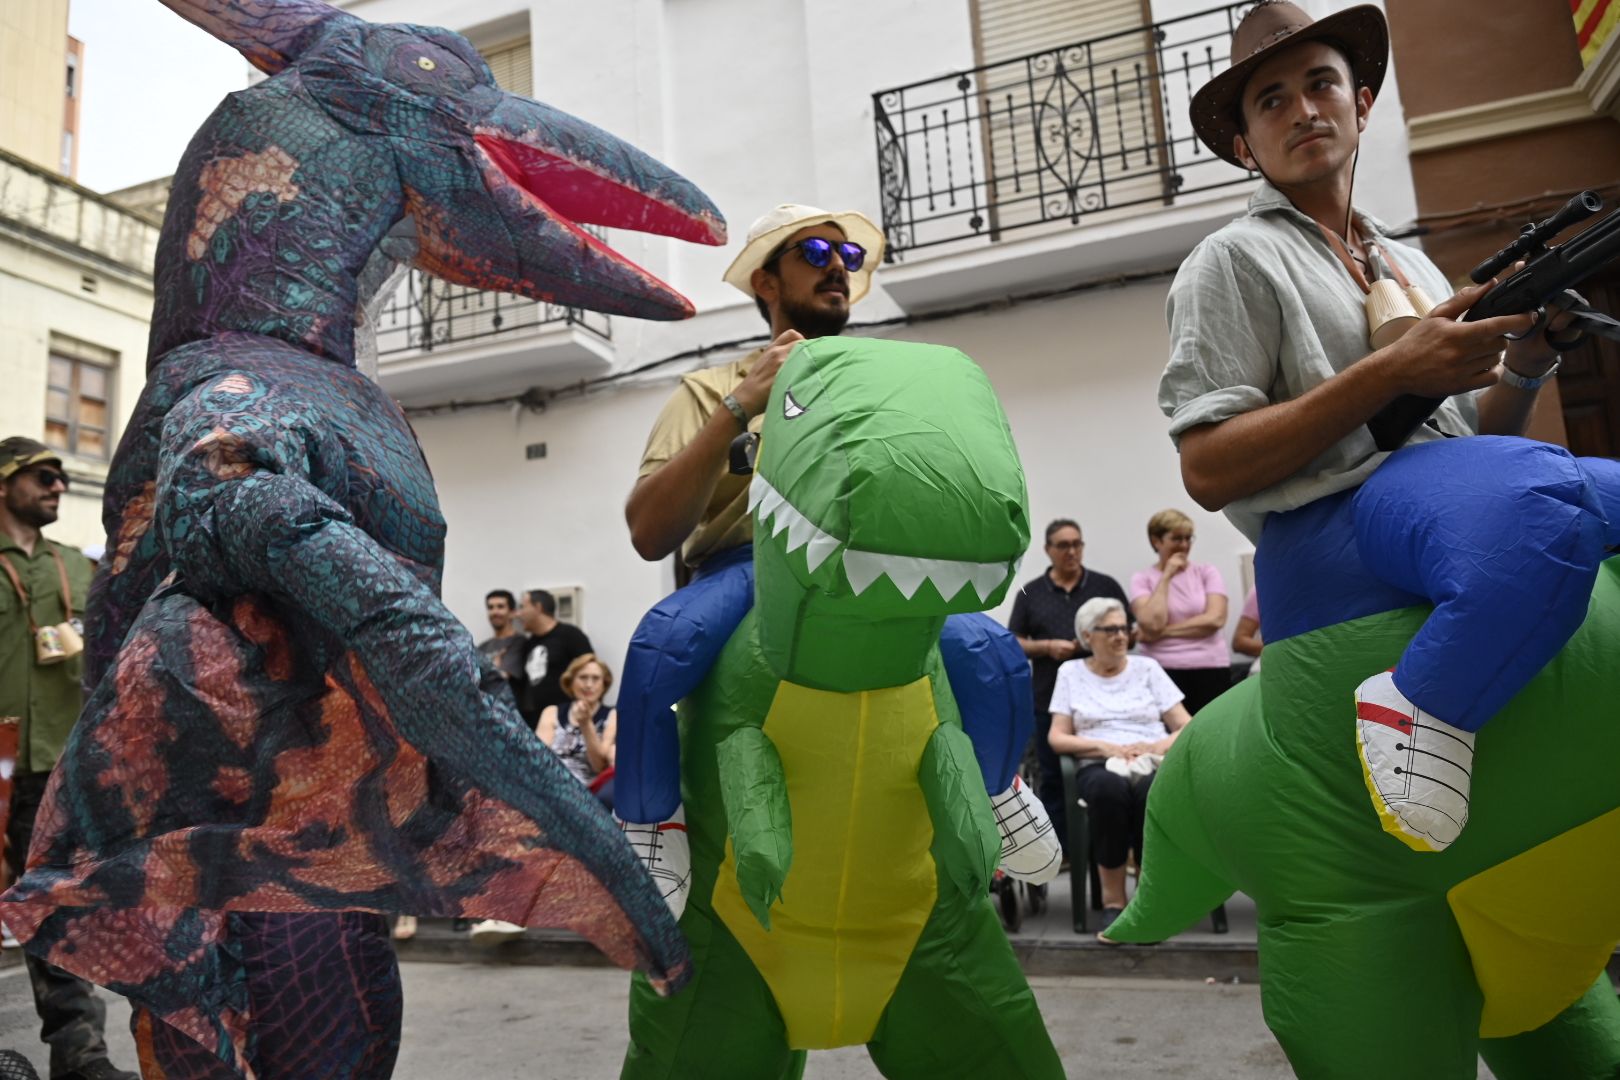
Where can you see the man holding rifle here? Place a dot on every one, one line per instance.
(1286, 339)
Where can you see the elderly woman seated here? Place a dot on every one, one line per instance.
(1118, 714)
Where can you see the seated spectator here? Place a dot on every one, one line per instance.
(582, 731)
(1180, 610)
(1246, 639)
(1118, 714)
(1043, 621)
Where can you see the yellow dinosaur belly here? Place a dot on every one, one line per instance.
(862, 883)
(1541, 925)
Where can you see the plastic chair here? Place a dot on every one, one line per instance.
(1082, 867)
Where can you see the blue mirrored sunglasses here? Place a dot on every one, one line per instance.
(818, 253)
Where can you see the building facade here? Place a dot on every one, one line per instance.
(1505, 123)
(41, 80)
(1032, 165)
(75, 305)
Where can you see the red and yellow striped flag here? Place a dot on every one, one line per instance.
(1594, 21)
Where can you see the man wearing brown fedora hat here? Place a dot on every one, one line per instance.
(42, 585)
(1290, 329)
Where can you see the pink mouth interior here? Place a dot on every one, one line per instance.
(580, 195)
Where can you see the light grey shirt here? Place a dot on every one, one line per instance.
(1261, 312)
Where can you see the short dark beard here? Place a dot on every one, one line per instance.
(34, 516)
(813, 323)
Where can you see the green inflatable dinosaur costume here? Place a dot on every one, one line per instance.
(1376, 960)
(841, 837)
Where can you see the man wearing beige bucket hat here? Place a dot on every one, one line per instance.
(1290, 329)
(43, 585)
(804, 268)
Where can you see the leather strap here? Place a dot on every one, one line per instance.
(22, 593)
(1336, 242)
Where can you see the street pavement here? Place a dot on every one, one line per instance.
(524, 1022)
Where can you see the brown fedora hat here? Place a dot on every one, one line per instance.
(1269, 27)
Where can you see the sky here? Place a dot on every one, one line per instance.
(150, 79)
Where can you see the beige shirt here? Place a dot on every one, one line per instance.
(725, 522)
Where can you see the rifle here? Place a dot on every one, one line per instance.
(1549, 270)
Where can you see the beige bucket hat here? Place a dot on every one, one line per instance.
(768, 233)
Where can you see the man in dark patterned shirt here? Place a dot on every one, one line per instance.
(1043, 621)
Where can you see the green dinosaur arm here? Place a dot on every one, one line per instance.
(966, 845)
(754, 790)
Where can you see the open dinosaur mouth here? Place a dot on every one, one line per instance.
(575, 193)
(774, 513)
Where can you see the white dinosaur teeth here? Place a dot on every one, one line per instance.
(779, 515)
(862, 568)
(949, 577)
(821, 546)
(908, 573)
(987, 577)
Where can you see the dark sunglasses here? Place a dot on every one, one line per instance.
(1110, 630)
(818, 253)
(49, 478)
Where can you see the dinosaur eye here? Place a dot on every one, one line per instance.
(791, 408)
(425, 63)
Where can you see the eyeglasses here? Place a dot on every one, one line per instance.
(1068, 545)
(1110, 630)
(49, 478)
(818, 252)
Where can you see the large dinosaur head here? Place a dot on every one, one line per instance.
(888, 494)
(497, 186)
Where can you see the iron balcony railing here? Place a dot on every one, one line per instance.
(427, 313)
(1058, 136)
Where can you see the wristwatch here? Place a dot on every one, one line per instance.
(1524, 382)
(741, 413)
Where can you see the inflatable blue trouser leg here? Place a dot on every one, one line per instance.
(1504, 537)
(672, 650)
(989, 677)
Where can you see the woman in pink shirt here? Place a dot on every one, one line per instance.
(1180, 611)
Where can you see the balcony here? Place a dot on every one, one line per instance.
(437, 341)
(1074, 163)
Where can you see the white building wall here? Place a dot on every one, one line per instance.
(766, 101)
(56, 239)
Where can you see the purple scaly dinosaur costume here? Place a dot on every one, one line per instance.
(288, 731)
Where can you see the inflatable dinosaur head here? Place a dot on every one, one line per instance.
(888, 494)
(296, 181)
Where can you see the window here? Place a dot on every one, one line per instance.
(78, 397)
(512, 65)
(67, 153)
(72, 75)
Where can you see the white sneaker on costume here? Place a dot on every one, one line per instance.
(1417, 768)
(494, 931)
(667, 854)
(1029, 844)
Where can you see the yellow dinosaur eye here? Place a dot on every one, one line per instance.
(425, 63)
